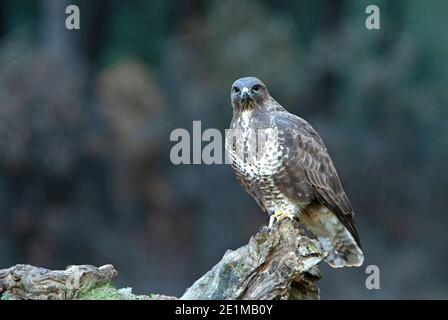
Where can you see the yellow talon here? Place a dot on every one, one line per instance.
(281, 214)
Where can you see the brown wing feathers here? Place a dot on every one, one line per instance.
(308, 153)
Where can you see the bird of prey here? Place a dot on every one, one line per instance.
(281, 161)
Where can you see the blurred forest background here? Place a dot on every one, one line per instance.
(85, 119)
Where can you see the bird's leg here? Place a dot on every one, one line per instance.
(271, 221)
(278, 215)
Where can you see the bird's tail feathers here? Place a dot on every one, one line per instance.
(342, 249)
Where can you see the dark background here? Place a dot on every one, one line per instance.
(85, 119)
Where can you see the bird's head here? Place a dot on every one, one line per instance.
(248, 93)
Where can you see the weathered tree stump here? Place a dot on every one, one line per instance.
(280, 263)
(23, 282)
(277, 263)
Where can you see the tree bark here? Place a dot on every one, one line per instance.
(278, 263)
(24, 282)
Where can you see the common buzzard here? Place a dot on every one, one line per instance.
(283, 163)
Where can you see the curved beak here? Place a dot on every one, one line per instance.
(245, 96)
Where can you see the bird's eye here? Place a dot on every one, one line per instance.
(256, 88)
(236, 89)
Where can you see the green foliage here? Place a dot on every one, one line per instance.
(4, 297)
(108, 292)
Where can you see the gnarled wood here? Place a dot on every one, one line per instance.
(28, 282)
(277, 263)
